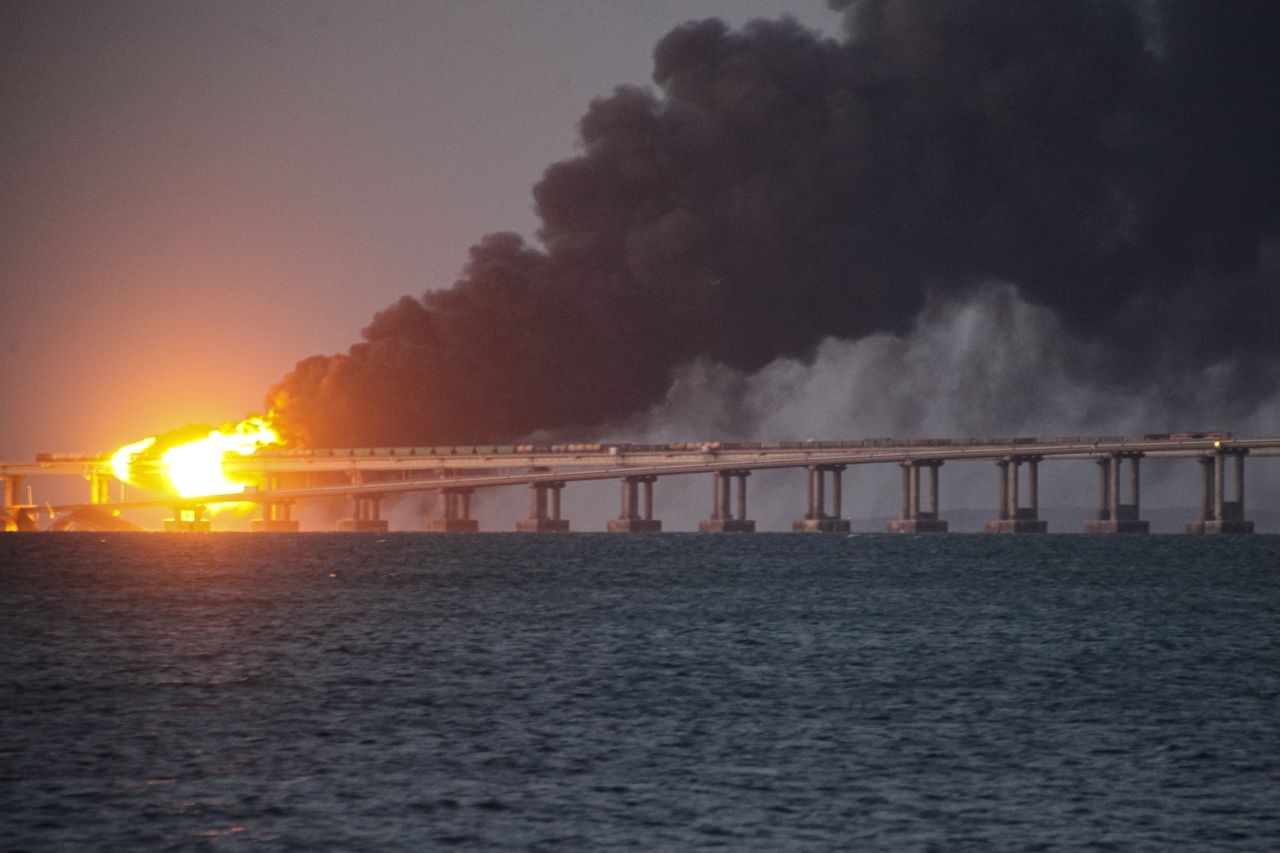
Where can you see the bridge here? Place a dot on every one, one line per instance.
(366, 476)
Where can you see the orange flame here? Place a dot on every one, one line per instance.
(194, 468)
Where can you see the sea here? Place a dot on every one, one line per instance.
(770, 692)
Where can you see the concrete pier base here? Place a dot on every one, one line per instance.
(1016, 525)
(182, 525)
(1213, 527)
(917, 525)
(273, 525)
(362, 525)
(821, 525)
(727, 525)
(451, 525)
(634, 525)
(543, 525)
(188, 520)
(1096, 525)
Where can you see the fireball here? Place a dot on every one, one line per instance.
(193, 467)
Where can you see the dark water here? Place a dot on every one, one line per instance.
(595, 692)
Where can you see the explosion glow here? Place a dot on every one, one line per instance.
(194, 468)
(123, 457)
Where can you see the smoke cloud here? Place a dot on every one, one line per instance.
(1114, 162)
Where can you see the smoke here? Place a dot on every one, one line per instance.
(779, 191)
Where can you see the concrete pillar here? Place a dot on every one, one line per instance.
(12, 491)
(99, 488)
(1240, 480)
(1207, 487)
(1104, 489)
(1033, 486)
(720, 495)
(636, 517)
(1011, 518)
(544, 510)
(276, 518)
(913, 490)
(1012, 510)
(1003, 512)
(933, 488)
(1114, 516)
(906, 491)
(723, 518)
(817, 520)
(455, 513)
(1228, 516)
(912, 519)
(13, 519)
(187, 519)
(1113, 488)
(1219, 486)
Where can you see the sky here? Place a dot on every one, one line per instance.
(196, 195)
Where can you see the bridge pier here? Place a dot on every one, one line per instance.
(188, 519)
(816, 519)
(99, 488)
(457, 513)
(367, 519)
(544, 510)
(1217, 514)
(1013, 518)
(1114, 516)
(277, 516)
(723, 520)
(13, 516)
(913, 519)
(636, 517)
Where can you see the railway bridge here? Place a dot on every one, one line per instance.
(366, 476)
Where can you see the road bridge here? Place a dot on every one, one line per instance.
(365, 476)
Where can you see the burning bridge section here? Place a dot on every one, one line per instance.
(243, 469)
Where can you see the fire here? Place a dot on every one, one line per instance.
(123, 458)
(193, 468)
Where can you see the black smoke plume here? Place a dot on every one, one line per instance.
(1114, 161)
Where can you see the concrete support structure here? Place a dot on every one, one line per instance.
(187, 519)
(913, 519)
(456, 504)
(1115, 516)
(1011, 517)
(277, 516)
(723, 518)
(100, 488)
(1217, 514)
(636, 516)
(14, 516)
(544, 510)
(367, 518)
(816, 519)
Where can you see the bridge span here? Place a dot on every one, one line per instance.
(366, 476)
